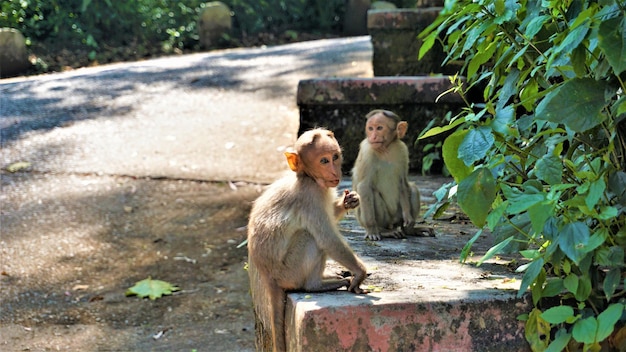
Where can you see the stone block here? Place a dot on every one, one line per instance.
(13, 54)
(215, 21)
(396, 46)
(340, 104)
(355, 18)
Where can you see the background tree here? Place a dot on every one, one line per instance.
(540, 160)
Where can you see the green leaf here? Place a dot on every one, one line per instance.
(607, 212)
(151, 288)
(475, 145)
(577, 104)
(496, 214)
(503, 121)
(585, 330)
(480, 58)
(612, 41)
(494, 250)
(596, 190)
(608, 319)
(573, 39)
(611, 281)
(465, 252)
(571, 283)
(537, 331)
(579, 60)
(538, 214)
(573, 240)
(609, 256)
(475, 195)
(584, 288)
(553, 287)
(561, 339)
(427, 44)
(530, 274)
(450, 151)
(437, 130)
(558, 314)
(549, 168)
(521, 201)
(534, 26)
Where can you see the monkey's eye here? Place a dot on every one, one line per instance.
(380, 128)
(335, 157)
(324, 161)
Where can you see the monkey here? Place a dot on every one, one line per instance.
(389, 202)
(292, 230)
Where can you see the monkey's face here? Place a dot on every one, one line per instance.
(324, 166)
(381, 131)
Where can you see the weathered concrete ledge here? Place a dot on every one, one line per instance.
(341, 104)
(396, 46)
(465, 321)
(424, 299)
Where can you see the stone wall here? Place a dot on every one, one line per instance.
(341, 104)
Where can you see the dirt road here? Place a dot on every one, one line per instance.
(140, 170)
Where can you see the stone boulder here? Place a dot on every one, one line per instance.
(13, 54)
(215, 21)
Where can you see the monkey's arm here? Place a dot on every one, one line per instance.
(331, 242)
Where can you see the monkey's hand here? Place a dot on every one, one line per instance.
(351, 199)
(356, 281)
(409, 221)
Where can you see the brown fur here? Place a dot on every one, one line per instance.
(389, 202)
(292, 230)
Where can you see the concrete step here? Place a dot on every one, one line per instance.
(423, 298)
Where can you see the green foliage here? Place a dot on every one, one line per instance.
(540, 160)
(279, 15)
(170, 25)
(151, 288)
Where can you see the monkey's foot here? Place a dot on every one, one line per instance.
(377, 236)
(373, 236)
(419, 231)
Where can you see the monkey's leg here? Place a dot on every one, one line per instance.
(318, 282)
(372, 212)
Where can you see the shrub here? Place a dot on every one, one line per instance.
(166, 24)
(540, 162)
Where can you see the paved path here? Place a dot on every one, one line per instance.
(223, 115)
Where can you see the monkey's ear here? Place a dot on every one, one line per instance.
(292, 160)
(402, 127)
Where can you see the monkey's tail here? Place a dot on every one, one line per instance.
(277, 298)
(269, 311)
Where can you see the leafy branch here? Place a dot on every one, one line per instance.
(540, 161)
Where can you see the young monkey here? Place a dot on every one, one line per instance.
(389, 202)
(292, 230)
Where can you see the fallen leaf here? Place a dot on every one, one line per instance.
(18, 166)
(151, 288)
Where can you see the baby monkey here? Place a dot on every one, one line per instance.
(389, 202)
(293, 229)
